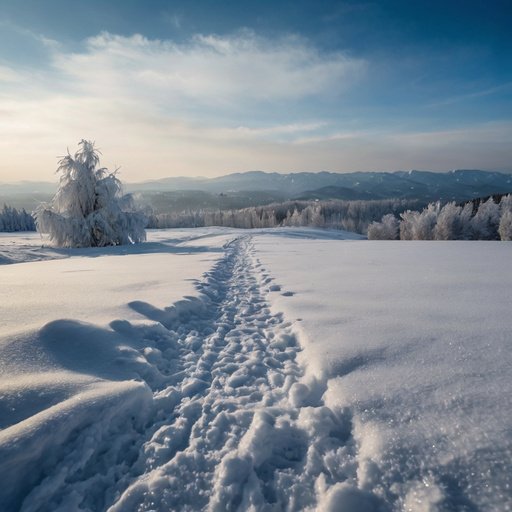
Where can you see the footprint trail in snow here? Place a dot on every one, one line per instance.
(232, 428)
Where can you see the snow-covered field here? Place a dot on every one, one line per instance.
(290, 369)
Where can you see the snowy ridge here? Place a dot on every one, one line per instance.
(233, 426)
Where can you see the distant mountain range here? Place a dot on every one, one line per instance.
(454, 185)
(262, 187)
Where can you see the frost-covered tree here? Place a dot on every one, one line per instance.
(316, 219)
(505, 226)
(419, 225)
(386, 229)
(466, 217)
(486, 221)
(409, 219)
(449, 223)
(89, 209)
(423, 228)
(506, 203)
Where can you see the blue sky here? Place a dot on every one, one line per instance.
(211, 87)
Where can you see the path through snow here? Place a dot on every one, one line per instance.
(232, 427)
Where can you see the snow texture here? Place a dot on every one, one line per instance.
(412, 339)
(214, 369)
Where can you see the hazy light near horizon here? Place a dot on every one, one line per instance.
(212, 105)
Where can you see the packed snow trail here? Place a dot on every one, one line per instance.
(232, 427)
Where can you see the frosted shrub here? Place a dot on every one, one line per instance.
(386, 229)
(89, 209)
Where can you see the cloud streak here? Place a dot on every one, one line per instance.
(473, 95)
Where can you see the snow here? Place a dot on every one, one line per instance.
(95, 286)
(65, 358)
(286, 369)
(413, 340)
(23, 247)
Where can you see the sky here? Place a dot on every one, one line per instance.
(205, 88)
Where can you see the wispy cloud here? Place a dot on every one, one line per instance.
(29, 34)
(172, 18)
(8, 74)
(472, 95)
(284, 130)
(208, 69)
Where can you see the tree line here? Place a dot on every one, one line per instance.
(486, 220)
(12, 220)
(352, 216)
